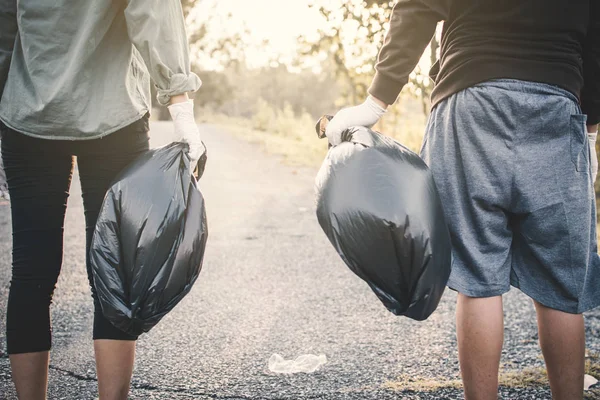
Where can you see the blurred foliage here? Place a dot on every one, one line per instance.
(233, 89)
(279, 131)
(353, 34)
(238, 91)
(187, 6)
(208, 43)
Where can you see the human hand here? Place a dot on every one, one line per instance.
(367, 114)
(186, 129)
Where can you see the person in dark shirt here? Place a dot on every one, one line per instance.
(511, 145)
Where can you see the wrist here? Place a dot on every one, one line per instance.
(376, 108)
(180, 98)
(182, 111)
(380, 103)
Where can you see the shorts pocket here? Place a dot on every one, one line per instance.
(579, 142)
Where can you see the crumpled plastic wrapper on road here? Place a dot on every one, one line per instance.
(379, 206)
(306, 363)
(149, 241)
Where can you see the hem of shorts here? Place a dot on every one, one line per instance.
(124, 339)
(578, 309)
(23, 350)
(74, 138)
(482, 293)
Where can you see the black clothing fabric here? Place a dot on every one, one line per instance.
(548, 41)
(39, 175)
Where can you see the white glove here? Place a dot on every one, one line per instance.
(592, 141)
(186, 130)
(367, 114)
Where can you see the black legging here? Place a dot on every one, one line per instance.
(39, 173)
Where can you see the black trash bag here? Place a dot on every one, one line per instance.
(149, 241)
(379, 206)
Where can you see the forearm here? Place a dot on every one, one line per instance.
(412, 26)
(179, 98)
(592, 128)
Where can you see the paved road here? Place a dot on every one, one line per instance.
(271, 284)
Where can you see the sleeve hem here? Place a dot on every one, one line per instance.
(593, 119)
(591, 109)
(385, 89)
(179, 84)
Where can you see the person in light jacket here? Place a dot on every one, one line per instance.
(75, 82)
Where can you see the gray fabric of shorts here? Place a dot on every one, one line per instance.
(511, 161)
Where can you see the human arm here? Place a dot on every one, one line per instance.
(157, 30)
(412, 25)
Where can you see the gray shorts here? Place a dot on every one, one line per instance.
(511, 161)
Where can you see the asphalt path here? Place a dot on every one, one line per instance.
(271, 283)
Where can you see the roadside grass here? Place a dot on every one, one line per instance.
(526, 378)
(295, 141)
(283, 133)
(421, 384)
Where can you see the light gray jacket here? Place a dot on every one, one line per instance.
(73, 69)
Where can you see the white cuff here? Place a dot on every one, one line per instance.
(379, 111)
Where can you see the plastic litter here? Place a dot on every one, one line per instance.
(589, 381)
(307, 363)
(149, 241)
(379, 207)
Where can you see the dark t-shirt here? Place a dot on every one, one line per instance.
(549, 41)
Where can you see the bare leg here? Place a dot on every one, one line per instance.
(562, 338)
(114, 366)
(30, 374)
(480, 332)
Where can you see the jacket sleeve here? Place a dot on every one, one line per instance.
(8, 35)
(590, 95)
(157, 30)
(412, 26)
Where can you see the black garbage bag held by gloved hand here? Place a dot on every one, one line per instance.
(149, 242)
(379, 206)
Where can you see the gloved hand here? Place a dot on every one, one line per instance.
(186, 130)
(366, 114)
(592, 141)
